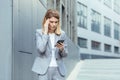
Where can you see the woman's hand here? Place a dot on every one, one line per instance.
(46, 26)
(60, 46)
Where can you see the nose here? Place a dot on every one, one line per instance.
(54, 24)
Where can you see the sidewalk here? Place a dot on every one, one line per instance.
(96, 69)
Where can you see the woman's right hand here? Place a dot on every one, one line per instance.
(46, 26)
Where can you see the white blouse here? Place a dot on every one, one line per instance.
(53, 62)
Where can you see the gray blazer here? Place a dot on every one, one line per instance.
(43, 44)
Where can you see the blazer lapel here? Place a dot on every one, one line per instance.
(56, 38)
(49, 44)
(56, 49)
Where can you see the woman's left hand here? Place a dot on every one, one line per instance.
(60, 46)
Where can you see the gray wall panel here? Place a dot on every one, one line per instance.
(5, 39)
(28, 15)
(25, 25)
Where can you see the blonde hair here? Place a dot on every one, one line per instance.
(52, 13)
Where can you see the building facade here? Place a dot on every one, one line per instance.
(98, 25)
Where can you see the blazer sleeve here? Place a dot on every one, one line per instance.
(65, 51)
(41, 41)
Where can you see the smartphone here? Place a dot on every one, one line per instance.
(60, 41)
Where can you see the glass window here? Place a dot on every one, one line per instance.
(81, 15)
(107, 48)
(108, 3)
(96, 21)
(107, 27)
(116, 49)
(117, 6)
(116, 31)
(96, 45)
(82, 42)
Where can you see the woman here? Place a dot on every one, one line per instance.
(49, 65)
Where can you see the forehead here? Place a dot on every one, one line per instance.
(53, 19)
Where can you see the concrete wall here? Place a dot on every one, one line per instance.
(5, 39)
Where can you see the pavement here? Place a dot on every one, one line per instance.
(96, 69)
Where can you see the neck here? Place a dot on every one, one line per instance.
(51, 31)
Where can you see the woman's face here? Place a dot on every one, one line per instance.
(53, 23)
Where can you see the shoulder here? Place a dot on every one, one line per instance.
(39, 31)
(62, 32)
